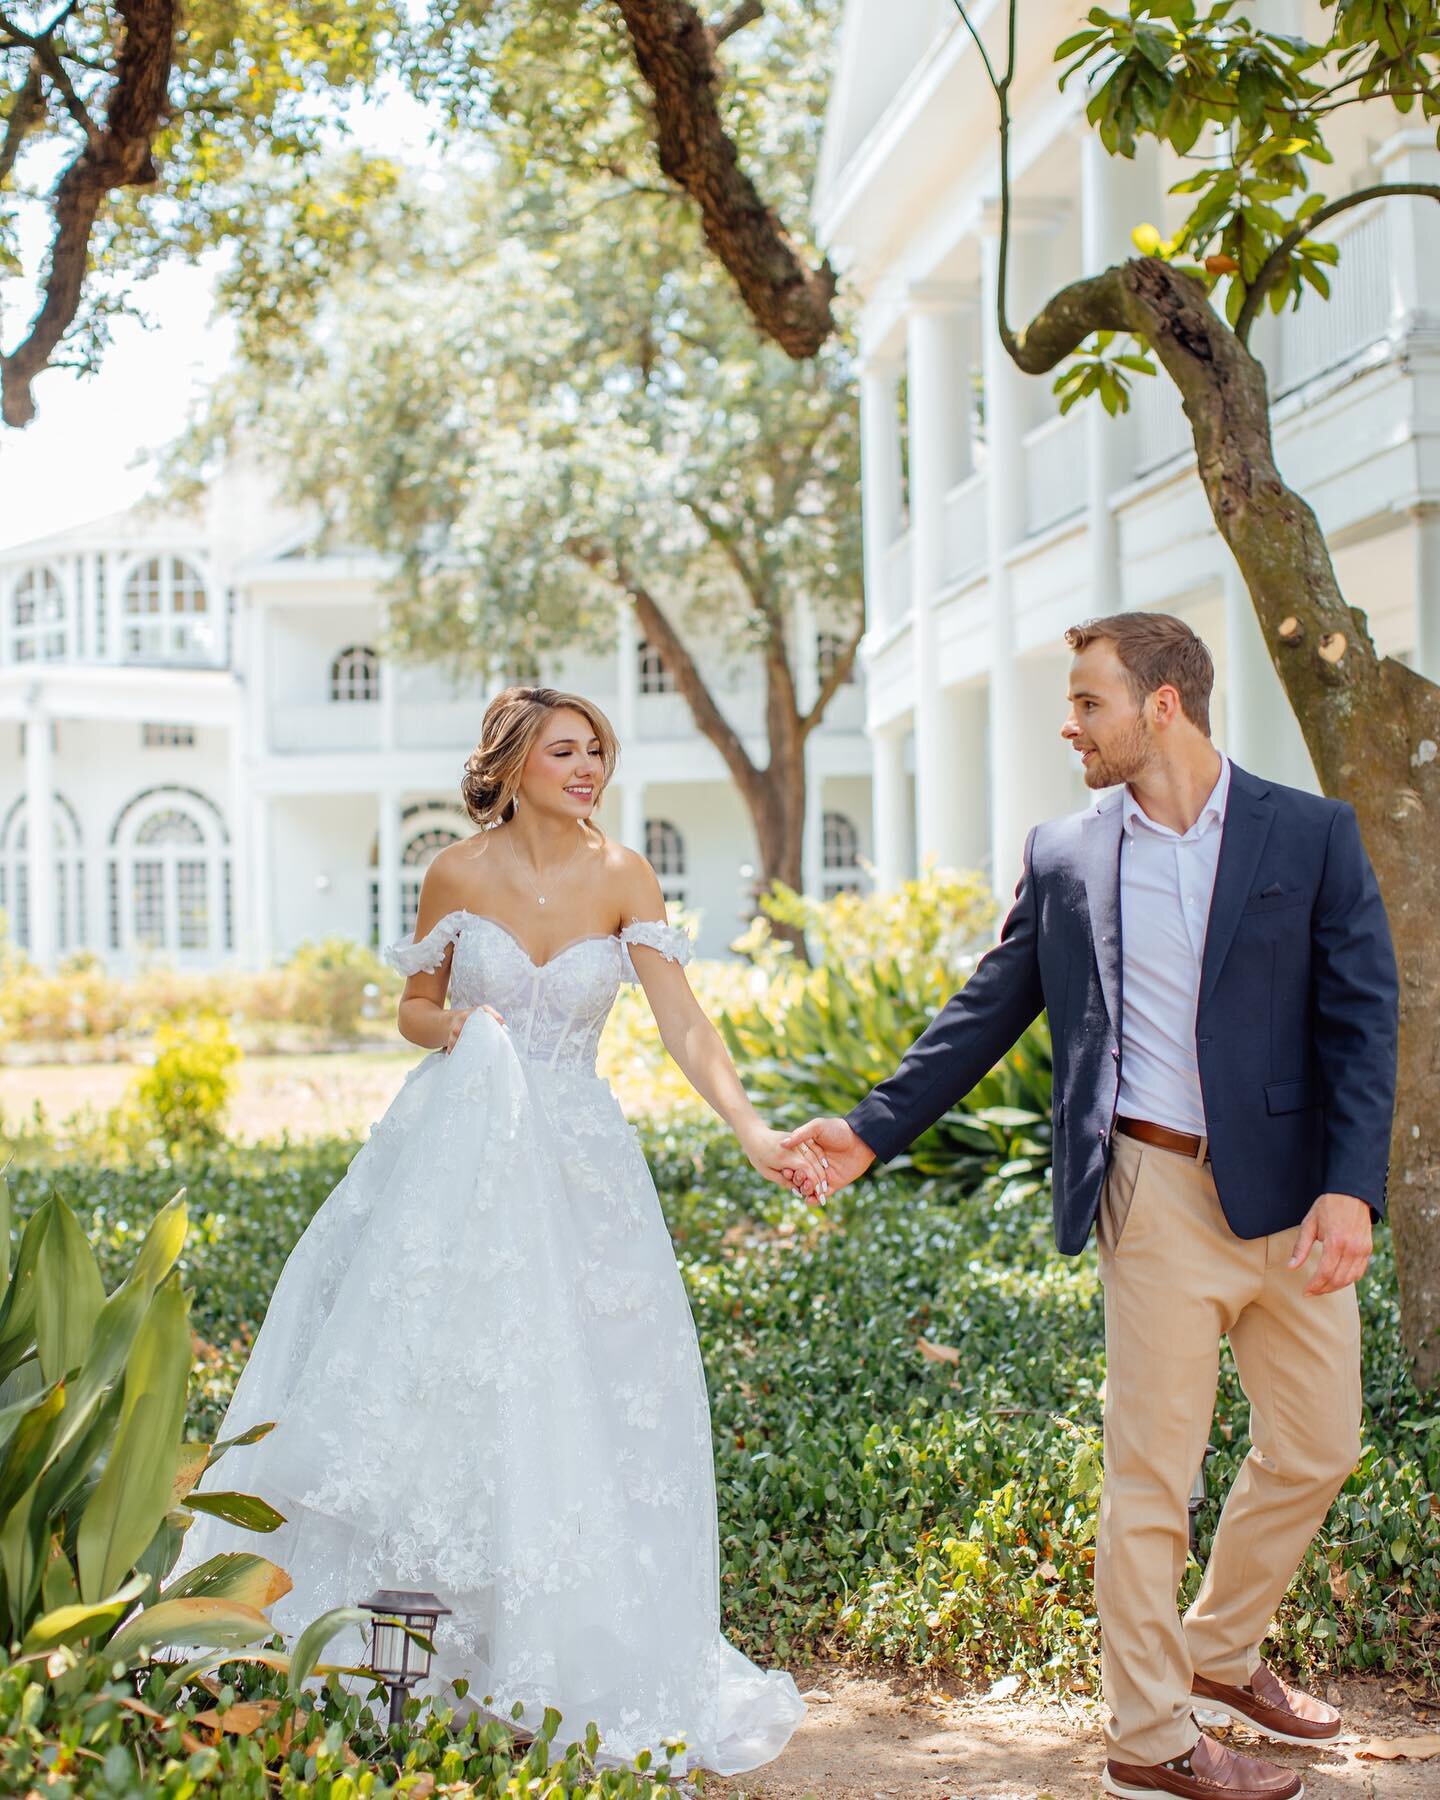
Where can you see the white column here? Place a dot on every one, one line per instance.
(1261, 732)
(1414, 240)
(255, 636)
(807, 688)
(1427, 591)
(389, 686)
(387, 867)
(627, 726)
(114, 647)
(1115, 196)
(262, 899)
(938, 400)
(40, 830)
(880, 483)
(890, 808)
(1005, 410)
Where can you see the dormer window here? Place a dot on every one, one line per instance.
(37, 617)
(355, 674)
(655, 678)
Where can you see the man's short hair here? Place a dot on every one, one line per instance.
(1155, 650)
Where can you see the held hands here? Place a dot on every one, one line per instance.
(795, 1169)
(836, 1156)
(1342, 1224)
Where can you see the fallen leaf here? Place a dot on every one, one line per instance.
(819, 1696)
(1412, 1749)
(1004, 1688)
(1222, 265)
(240, 1719)
(1048, 1572)
(1339, 1584)
(937, 1353)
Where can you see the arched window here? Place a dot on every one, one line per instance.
(69, 874)
(169, 877)
(665, 852)
(829, 648)
(167, 613)
(427, 827)
(37, 617)
(655, 678)
(355, 674)
(841, 843)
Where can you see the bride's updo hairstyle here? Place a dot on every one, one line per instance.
(513, 721)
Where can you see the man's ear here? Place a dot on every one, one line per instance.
(1164, 704)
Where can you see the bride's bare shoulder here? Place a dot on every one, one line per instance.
(630, 880)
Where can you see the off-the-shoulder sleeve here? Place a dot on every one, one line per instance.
(672, 943)
(417, 958)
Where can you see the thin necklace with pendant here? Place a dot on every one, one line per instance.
(540, 898)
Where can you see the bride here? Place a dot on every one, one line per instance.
(480, 1356)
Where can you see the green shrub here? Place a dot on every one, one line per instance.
(874, 1500)
(183, 1094)
(327, 983)
(817, 1040)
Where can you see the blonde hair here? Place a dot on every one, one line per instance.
(512, 723)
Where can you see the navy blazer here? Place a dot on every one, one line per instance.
(1296, 1025)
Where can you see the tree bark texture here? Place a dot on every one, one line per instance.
(675, 53)
(117, 154)
(1372, 726)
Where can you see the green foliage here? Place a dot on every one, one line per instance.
(329, 981)
(935, 1509)
(184, 1092)
(817, 1040)
(94, 1472)
(248, 1735)
(1252, 107)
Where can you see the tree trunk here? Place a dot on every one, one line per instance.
(1372, 725)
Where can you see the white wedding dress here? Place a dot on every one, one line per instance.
(486, 1381)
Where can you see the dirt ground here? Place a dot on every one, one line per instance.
(881, 1737)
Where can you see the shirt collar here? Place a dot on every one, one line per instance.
(1212, 813)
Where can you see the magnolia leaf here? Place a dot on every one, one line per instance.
(204, 1623)
(936, 1353)
(241, 1719)
(316, 1635)
(246, 1510)
(233, 1575)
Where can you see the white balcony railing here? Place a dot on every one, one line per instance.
(1162, 431)
(966, 536)
(1326, 332)
(1054, 457)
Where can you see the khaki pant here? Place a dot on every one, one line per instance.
(1177, 1279)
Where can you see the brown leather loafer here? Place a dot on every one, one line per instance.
(1207, 1772)
(1271, 1706)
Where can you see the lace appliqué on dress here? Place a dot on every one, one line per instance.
(672, 943)
(428, 954)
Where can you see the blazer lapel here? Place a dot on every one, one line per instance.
(1100, 868)
(1248, 817)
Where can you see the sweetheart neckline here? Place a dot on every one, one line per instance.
(595, 937)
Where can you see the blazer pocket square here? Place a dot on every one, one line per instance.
(1272, 892)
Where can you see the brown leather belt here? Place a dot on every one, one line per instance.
(1163, 1138)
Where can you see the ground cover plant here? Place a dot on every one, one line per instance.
(905, 1393)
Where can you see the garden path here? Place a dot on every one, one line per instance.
(883, 1737)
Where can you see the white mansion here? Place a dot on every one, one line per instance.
(1008, 522)
(200, 731)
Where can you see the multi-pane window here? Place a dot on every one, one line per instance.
(830, 647)
(655, 678)
(167, 613)
(162, 865)
(665, 852)
(355, 674)
(167, 737)
(841, 843)
(37, 617)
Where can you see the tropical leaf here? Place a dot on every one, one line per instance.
(233, 1575)
(207, 1624)
(246, 1510)
(67, 1624)
(133, 1495)
(68, 1293)
(316, 1635)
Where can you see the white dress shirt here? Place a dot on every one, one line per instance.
(1167, 879)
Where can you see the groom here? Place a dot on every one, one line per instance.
(1216, 963)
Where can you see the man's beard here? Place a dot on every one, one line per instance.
(1127, 756)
